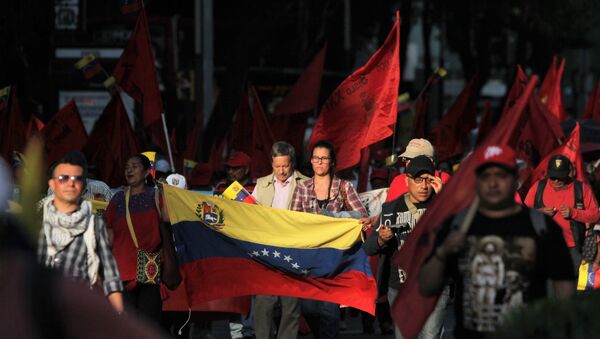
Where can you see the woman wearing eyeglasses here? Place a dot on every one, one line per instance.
(140, 232)
(325, 193)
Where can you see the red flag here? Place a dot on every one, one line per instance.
(363, 109)
(34, 125)
(241, 132)
(420, 121)
(516, 90)
(487, 122)
(64, 132)
(290, 128)
(550, 92)
(262, 137)
(304, 95)
(410, 309)
(571, 149)
(592, 107)
(12, 126)
(111, 143)
(136, 74)
(450, 136)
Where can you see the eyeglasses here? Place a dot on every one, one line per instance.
(320, 159)
(63, 178)
(419, 180)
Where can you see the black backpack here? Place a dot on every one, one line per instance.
(577, 228)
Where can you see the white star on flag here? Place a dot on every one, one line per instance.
(305, 272)
(287, 258)
(276, 254)
(255, 253)
(295, 265)
(265, 252)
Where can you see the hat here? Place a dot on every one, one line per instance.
(238, 159)
(177, 180)
(559, 167)
(161, 165)
(418, 147)
(418, 165)
(379, 173)
(498, 155)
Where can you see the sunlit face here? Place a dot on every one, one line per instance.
(496, 187)
(67, 183)
(282, 167)
(419, 188)
(321, 161)
(135, 173)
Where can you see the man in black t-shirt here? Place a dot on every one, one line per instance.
(505, 257)
(398, 218)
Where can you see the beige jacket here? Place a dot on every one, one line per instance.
(265, 190)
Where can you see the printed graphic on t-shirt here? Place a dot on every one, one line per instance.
(496, 275)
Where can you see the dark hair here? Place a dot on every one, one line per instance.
(146, 165)
(329, 146)
(74, 158)
(283, 149)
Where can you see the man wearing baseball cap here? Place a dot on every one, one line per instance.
(570, 203)
(414, 148)
(398, 218)
(237, 167)
(502, 257)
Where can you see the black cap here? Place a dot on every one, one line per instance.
(419, 165)
(559, 167)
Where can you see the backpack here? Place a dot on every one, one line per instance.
(577, 228)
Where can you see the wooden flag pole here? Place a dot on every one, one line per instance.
(164, 124)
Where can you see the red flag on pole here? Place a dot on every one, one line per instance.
(64, 132)
(451, 135)
(262, 137)
(487, 122)
(363, 109)
(12, 126)
(304, 95)
(516, 90)
(550, 92)
(112, 142)
(592, 107)
(410, 309)
(136, 74)
(241, 132)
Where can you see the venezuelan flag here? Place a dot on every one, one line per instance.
(237, 192)
(88, 66)
(227, 249)
(588, 278)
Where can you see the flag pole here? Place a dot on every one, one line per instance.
(164, 124)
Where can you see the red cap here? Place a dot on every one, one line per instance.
(238, 159)
(498, 155)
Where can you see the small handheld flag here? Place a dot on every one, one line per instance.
(237, 192)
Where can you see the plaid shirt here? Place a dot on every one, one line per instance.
(305, 198)
(72, 260)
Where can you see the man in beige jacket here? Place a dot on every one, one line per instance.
(276, 190)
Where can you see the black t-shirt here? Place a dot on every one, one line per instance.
(505, 263)
(397, 215)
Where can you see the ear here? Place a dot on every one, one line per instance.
(52, 185)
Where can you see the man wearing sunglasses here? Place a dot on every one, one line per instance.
(73, 240)
(398, 218)
(570, 203)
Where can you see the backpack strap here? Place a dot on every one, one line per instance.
(578, 188)
(539, 194)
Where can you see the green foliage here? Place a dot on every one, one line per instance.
(555, 319)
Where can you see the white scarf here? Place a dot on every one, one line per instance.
(60, 229)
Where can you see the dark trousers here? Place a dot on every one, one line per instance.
(264, 306)
(322, 317)
(145, 300)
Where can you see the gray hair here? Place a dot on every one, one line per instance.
(282, 149)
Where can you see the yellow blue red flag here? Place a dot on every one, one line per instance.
(228, 248)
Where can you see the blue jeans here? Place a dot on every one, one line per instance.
(322, 317)
(434, 324)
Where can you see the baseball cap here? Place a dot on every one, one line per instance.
(238, 159)
(162, 165)
(496, 155)
(418, 147)
(418, 165)
(559, 167)
(177, 180)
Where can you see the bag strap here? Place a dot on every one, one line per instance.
(539, 194)
(539, 222)
(128, 217)
(412, 208)
(578, 190)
